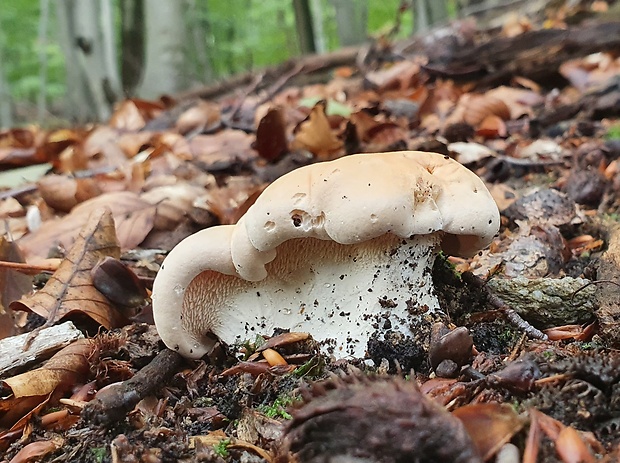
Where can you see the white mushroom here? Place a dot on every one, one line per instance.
(341, 249)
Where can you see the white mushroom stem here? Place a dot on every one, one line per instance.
(341, 294)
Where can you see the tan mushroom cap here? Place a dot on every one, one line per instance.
(365, 200)
(360, 197)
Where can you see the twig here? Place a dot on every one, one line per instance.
(511, 316)
(29, 269)
(115, 401)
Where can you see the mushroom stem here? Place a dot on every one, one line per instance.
(208, 249)
(341, 294)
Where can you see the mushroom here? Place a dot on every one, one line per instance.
(342, 250)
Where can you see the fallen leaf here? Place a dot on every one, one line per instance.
(70, 289)
(199, 117)
(35, 451)
(271, 140)
(490, 425)
(133, 216)
(13, 285)
(66, 368)
(571, 448)
(63, 193)
(315, 134)
(478, 107)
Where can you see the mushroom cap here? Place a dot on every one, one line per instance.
(360, 197)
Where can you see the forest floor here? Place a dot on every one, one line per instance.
(525, 364)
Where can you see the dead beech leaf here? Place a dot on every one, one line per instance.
(477, 107)
(63, 193)
(199, 117)
(492, 126)
(13, 285)
(133, 216)
(271, 140)
(571, 448)
(35, 451)
(66, 368)
(70, 288)
(490, 425)
(315, 134)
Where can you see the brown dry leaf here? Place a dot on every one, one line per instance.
(478, 107)
(63, 193)
(66, 368)
(222, 149)
(571, 448)
(133, 216)
(35, 451)
(13, 285)
(197, 118)
(70, 288)
(132, 115)
(315, 134)
(492, 126)
(490, 425)
(271, 140)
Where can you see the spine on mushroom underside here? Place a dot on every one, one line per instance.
(205, 250)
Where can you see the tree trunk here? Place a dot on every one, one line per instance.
(92, 74)
(132, 39)
(428, 13)
(165, 68)
(42, 39)
(352, 21)
(305, 29)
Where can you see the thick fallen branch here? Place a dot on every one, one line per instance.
(535, 54)
(302, 65)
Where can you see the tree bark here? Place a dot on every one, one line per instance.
(165, 68)
(352, 21)
(92, 76)
(132, 48)
(305, 29)
(42, 39)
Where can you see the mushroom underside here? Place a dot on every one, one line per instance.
(340, 294)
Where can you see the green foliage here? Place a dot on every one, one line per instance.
(613, 133)
(99, 454)
(221, 448)
(278, 408)
(19, 23)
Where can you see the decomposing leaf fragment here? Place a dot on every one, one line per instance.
(35, 451)
(12, 286)
(70, 288)
(490, 425)
(66, 368)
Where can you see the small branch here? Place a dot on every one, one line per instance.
(30, 269)
(511, 316)
(113, 402)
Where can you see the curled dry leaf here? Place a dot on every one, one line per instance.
(271, 140)
(63, 193)
(478, 107)
(66, 368)
(315, 134)
(118, 283)
(490, 425)
(70, 288)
